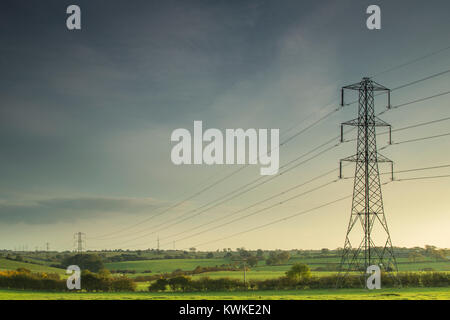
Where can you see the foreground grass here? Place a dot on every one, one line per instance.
(341, 294)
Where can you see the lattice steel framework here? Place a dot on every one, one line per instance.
(362, 247)
(79, 241)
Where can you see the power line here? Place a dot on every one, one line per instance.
(308, 117)
(422, 169)
(254, 204)
(175, 205)
(410, 62)
(177, 221)
(236, 194)
(420, 100)
(310, 126)
(261, 210)
(276, 221)
(326, 204)
(411, 170)
(283, 143)
(425, 177)
(419, 139)
(221, 180)
(420, 124)
(421, 80)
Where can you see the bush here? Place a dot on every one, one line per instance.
(299, 271)
(122, 284)
(158, 285)
(179, 283)
(23, 279)
(103, 282)
(405, 279)
(91, 262)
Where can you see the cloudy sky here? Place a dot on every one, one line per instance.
(86, 118)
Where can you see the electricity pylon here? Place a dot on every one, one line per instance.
(367, 241)
(78, 239)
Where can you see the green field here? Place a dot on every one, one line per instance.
(260, 272)
(342, 294)
(165, 265)
(6, 264)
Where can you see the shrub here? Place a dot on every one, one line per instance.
(91, 262)
(158, 285)
(299, 271)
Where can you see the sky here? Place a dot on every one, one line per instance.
(86, 118)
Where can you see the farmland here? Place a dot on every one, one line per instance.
(144, 268)
(342, 294)
(6, 264)
(259, 272)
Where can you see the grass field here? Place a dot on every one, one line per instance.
(343, 294)
(6, 264)
(260, 272)
(164, 265)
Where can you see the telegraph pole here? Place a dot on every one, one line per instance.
(244, 272)
(360, 250)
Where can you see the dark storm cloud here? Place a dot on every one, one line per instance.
(58, 210)
(93, 110)
(133, 66)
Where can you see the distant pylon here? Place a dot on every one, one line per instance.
(157, 243)
(78, 237)
(367, 241)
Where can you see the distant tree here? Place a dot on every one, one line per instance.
(252, 261)
(284, 257)
(179, 283)
(158, 285)
(210, 255)
(192, 249)
(91, 262)
(415, 256)
(259, 253)
(244, 253)
(438, 254)
(278, 258)
(429, 250)
(299, 271)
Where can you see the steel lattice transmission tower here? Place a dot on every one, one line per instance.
(78, 239)
(367, 241)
